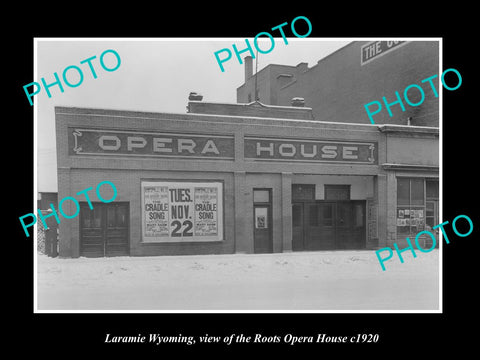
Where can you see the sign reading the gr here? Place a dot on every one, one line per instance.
(376, 49)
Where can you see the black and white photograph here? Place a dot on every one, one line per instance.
(271, 181)
(263, 183)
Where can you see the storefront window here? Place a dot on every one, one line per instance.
(410, 206)
(432, 189)
(416, 192)
(403, 191)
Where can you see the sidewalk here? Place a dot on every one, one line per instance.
(329, 280)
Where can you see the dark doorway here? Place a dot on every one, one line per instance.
(104, 229)
(328, 225)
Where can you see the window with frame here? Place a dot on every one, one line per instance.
(410, 205)
(431, 187)
(303, 192)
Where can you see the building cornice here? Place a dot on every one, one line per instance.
(407, 130)
(409, 167)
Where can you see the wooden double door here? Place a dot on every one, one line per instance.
(104, 229)
(328, 225)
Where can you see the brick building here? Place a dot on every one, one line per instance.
(339, 85)
(241, 178)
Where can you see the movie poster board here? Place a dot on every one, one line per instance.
(182, 211)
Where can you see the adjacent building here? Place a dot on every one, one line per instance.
(339, 85)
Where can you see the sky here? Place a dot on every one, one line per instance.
(155, 75)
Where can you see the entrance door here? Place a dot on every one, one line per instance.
(313, 226)
(319, 226)
(262, 229)
(104, 229)
(297, 226)
(350, 225)
(328, 225)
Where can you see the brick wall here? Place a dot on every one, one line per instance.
(268, 82)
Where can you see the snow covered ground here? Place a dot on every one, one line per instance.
(327, 280)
